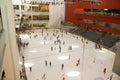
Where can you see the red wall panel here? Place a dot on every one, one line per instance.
(72, 14)
(69, 14)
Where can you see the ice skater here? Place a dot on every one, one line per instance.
(62, 66)
(69, 56)
(111, 77)
(44, 76)
(50, 63)
(45, 62)
(78, 61)
(63, 42)
(94, 60)
(30, 69)
(104, 70)
(63, 78)
(59, 49)
(51, 48)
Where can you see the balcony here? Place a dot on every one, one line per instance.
(32, 21)
(38, 21)
(110, 25)
(31, 12)
(102, 13)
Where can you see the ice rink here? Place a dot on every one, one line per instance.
(49, 49)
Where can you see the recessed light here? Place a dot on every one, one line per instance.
(32, 51)
(44, 42)
(73, 73)
(75, 46)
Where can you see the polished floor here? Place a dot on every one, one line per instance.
(81, 60)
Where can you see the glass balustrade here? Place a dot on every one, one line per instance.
(102, 13)
(105, 24)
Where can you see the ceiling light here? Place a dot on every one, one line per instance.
(63, 57)
(73, 74)
(32, 51)
(75, 46)
(44, 42)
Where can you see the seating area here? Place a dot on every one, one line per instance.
(80, 31)
(106, 39)
(93, 35)
(109, 40)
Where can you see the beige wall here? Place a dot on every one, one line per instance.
(8, 65)
(11, 59)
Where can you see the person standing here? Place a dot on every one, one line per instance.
(50, 63)
(59, 49)
(111, 77)
(30, 69)
(63, 78)
(77, 64)
(94, 60)
(104, 70)
(47, 34)
(78, 61)
(62, 66)
(3, 75)
(44, 37)
(45, 62)
(50, 38)
(20, 74)
(51, 48)
(44, 76)
(69, 56)
(63, 42)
